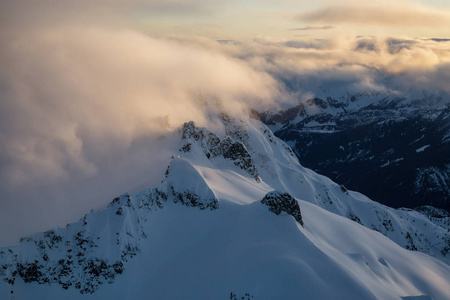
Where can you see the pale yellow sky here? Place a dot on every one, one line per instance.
(239, 19)
(298, 19)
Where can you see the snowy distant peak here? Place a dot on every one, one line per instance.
(438, 216)
(347, 103)
(433, 212)
(396, 140)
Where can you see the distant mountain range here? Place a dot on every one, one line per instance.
(394, 149)
(236, 217)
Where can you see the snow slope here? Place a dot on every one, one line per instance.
(223, 224)
(279, 167)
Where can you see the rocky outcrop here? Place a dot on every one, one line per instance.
(279, 202)
(213, 146)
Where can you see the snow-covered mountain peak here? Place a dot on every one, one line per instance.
(235, 214)
(279, 169)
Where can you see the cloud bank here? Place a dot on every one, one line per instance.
(349, 64)
(88, 113)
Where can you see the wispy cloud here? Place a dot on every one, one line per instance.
(394, 14)
(312, 27)
(440, 40)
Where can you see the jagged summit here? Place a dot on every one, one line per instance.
(234, 214)
(214, 147)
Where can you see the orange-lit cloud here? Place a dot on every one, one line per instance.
(87, 112)
(111, 85)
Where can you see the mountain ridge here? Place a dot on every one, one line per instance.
(242, 181)
(364, 142)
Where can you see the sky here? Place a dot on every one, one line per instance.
(92, 93)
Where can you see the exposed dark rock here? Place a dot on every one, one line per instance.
(410, 245)
(190, 199)
(186, 147)
(343, 189)
(246, 296)
(213, 146)
(279, 202)
(355, 218)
